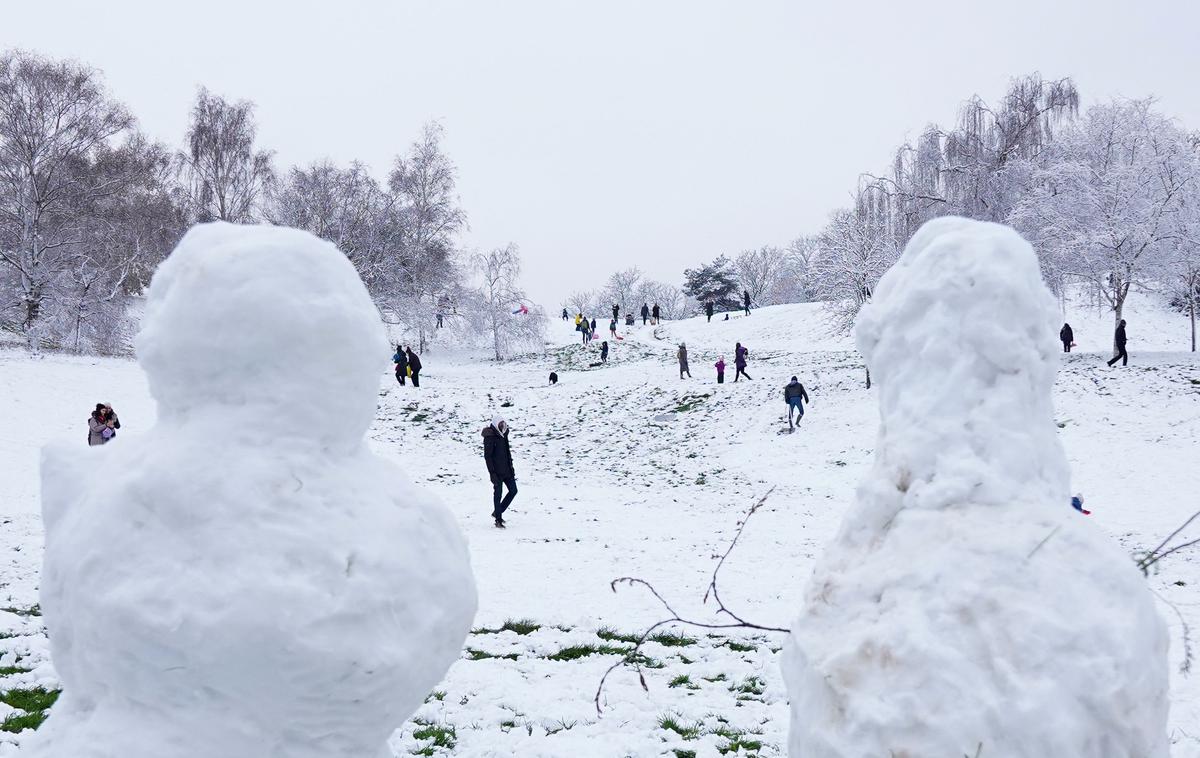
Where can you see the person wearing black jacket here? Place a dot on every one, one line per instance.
(616, 311)
(1067, 335)
(746, 301)
(1119, 338)
(654, 313)
(414, 365)
(498, 457)
(401, 361)
(708, 310)
(645, 313)
(795, 397)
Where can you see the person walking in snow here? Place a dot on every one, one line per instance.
(604, 352)
(683, 362)
(645, 313)
(401, 361)
(1120, 338)
(565, 316)
(708, 310)
(102, 425)
(593, 328)
(498, 456)
(612, 328)
(1067, 336)
(414, 366)
(746, 301)
(720, 364)
(616, 311)
(654, 314)
(585, 330)
(795, 397)
(578, 322)
(739, 362)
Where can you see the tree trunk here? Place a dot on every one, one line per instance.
(1192, 316)
(868, 369)
(1118, 311)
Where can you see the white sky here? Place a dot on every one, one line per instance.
(603, 134)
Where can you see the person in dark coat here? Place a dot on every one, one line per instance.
(604, 352)
(645, 313)
(565, 316)
(553, 377)
(401, 361)
(708, 310)
(739, 362)
(585, 328)
(612, 328)
(1067, 335)
(1119, 338)
(683, 361)
(498, 457)
(745, 304)
(616, 311)
(795, 397)
(593, 329)
(654, 313)
(414, 365)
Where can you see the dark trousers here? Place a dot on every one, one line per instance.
(710, 318)
(500, 506)
(416, 378)
(747, 310)
(721, 377)
(1120, 356)
(400, 376)
(1066, 346)
(644, 319)
(741, 372)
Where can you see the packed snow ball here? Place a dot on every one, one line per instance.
(964, 608)
(250, 580)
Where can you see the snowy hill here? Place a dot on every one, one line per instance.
(625, 470)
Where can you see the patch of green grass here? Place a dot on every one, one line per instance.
(440, 736)
(739, 647)
(419, 418)
(750, 686)
(608, 634)
(438, 695)
(575, 652)
(33, 610)
(685, 753)
(688, 402)
(10, 670)
(740, 743)
(717, 678)
(671, 639)
(517, 626)
(34, 701)
(680, 681)
(481, 655)
(508, 724)
(562, 725)
(672, 722)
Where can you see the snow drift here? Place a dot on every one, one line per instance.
(964, 608)
(246, 579)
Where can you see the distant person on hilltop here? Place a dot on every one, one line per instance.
(592, 329)
(683, 361)
(498, 456)
(1067, 335)
(584, 329)
(401, 361)
(414, 366)
(654, 314)
(616, 311)
(565, 316)
(795, 397)
(645, 313)
(739, 362)
(720, 364)
(708, 310)
(746, 301)
(612, 327)
(1119, 339)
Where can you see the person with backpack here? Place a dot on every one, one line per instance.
(401, 361)
(1119, 338)
(583, 330)
(708, 310)
(645, 313)
(565, 316)
(739, 362)
(746, 301)
(1067, 336)
(720, 364)
(795, 397)
(604, 352)
(414, 366)
(654, 314)
(498, 456)
(683, 361)
(102, 425)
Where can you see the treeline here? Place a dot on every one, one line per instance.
(89, 205)
(1109, 198)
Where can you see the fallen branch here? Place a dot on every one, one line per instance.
(1152, 557)
(632, 657)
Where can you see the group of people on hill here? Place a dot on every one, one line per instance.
(587, 327)
(1067, 336)
(710, 307)
(741, 355)
(408, 365)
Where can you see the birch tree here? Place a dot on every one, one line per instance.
(227, 175)
(502, 308)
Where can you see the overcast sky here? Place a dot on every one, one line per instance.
(605, 134)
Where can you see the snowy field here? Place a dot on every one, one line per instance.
(624, 470)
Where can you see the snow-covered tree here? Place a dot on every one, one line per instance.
(762, 272)
(502, 309)
(713, 282)
(227, 175)
(852, 253)
(622, 288)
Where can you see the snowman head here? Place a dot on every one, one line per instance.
(264, 327)
(961, 338)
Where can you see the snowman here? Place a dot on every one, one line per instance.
(963, 609)
(246, 579)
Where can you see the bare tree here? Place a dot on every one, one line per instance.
(761, 271)
(502, 308)
(226, 175)
(55, 117)
(622, 288)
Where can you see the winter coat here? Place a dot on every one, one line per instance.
(497, 455)
(616, 312)
(746, 298)
(682, 355)
(794, 389)
(401, 361)
(720, 367)
(604, 351)
(592, 326)
(98, 431)
(1066, 335)
(740, 359)
(645, 311)
(578, 321)
(708, 309)
(1121, 336)
(655, 313)
(414, 361)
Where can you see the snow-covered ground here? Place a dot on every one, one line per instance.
(625, 470)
